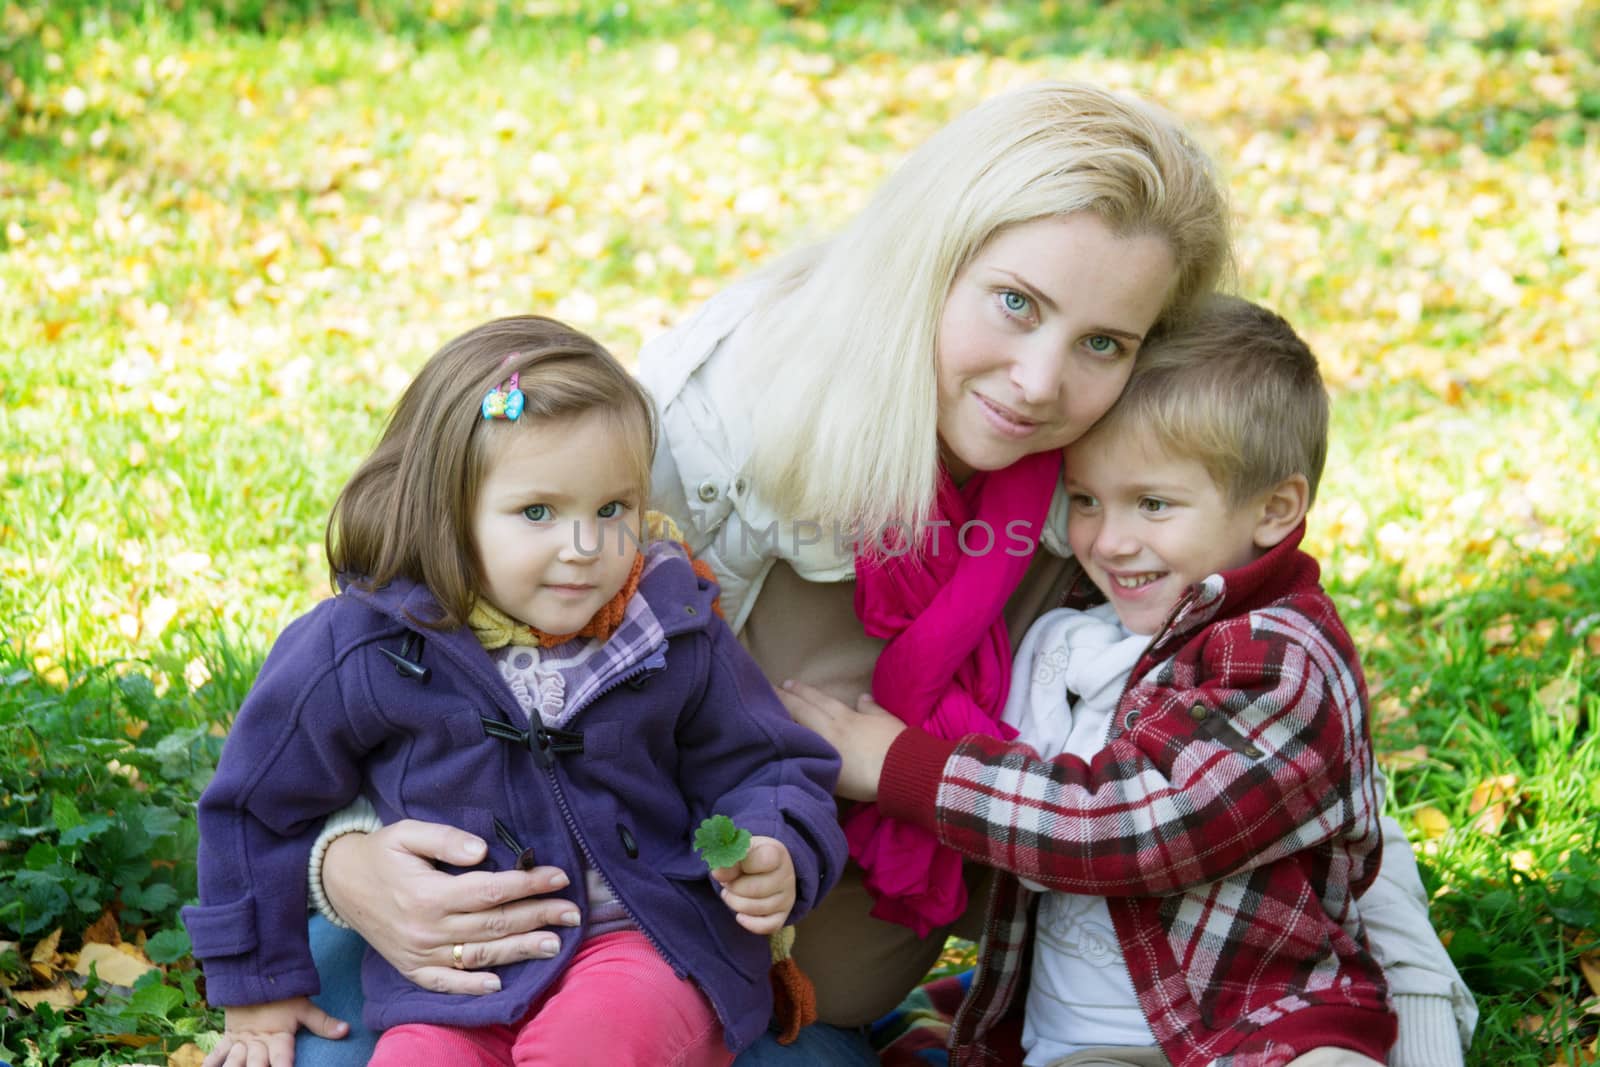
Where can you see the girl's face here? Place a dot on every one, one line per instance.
(556, 525)
(1038, 335)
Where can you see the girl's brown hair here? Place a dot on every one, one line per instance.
(407, 510)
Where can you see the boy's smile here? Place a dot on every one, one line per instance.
(1146, 525)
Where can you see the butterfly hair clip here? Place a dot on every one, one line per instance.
(504, 401)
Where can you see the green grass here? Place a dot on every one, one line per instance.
(229, 231)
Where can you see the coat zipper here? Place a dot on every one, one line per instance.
(583, 845)
(548, 762)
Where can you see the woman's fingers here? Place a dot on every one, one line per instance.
(433, 841)
(510, 920)
(473, 978)
(484, 892)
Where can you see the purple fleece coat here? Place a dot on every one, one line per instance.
(677, 725)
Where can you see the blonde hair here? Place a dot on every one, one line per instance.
(1235, 388)
(843, 354)
(407, 510)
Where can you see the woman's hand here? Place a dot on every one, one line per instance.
(862, 735)
(759, 889)
(437, 929)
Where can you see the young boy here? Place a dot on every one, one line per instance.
(1191, 799)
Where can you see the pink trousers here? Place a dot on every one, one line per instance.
(617, 1004)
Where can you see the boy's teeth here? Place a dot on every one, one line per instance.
(1136, 581)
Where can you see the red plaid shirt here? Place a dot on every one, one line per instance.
(1231, 821)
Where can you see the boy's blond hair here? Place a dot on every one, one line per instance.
(1233, 387)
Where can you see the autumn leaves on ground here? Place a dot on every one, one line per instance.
(230, 230)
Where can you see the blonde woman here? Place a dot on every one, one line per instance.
(863, 442)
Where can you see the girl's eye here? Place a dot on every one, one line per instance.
(1014, 302)
(611, 510)
(537, 512)
(1082, 500)
(1153, 506)
(1102, 345)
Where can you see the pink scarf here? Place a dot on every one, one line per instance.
(947, 665)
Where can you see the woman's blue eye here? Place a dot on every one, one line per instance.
(536, 512)
(1101, 345)
(611, 510)
(1014, 301)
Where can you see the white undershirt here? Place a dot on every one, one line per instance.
(1079, 995)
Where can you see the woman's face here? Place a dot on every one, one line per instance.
(1038, 335)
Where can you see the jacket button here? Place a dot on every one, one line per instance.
(526, 860)
(1198, 712)
(629, 845)
(708, 491)
(1133, 717)
(1252, 751)
(689, 609)
(740, 485)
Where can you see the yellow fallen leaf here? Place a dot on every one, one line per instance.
(44, 954)
(60, 995)
(1431, 822)
(1502, 633)
(1491, 803)
(1589, 964)
(188, 1055)
(1404, 759)
(103, 930)
(119, 965)
(1559, 698)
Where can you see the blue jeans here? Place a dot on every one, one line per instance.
(338, 956)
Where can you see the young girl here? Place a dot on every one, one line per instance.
(512, 654)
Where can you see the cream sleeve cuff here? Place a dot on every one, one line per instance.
(359, 818)
(1429, 1035)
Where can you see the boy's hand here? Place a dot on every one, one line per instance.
(760, 889)
(862, 735)
(262, 1035)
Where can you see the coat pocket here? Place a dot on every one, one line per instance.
(744, 952)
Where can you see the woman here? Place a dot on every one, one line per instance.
(979, 314)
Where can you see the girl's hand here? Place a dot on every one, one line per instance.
(862, 735)
(760, 889)
(262, 1035)
(385, 885)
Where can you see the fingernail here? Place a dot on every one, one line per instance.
(787, 684)
(548, 946)
(491, 984)
(571, 918)
(558, 881)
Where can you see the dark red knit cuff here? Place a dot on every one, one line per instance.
(909, 786)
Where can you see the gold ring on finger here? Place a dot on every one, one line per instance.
(456, 951)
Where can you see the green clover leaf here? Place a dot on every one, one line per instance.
(720, 842)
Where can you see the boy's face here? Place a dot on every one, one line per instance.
(1146, 524)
